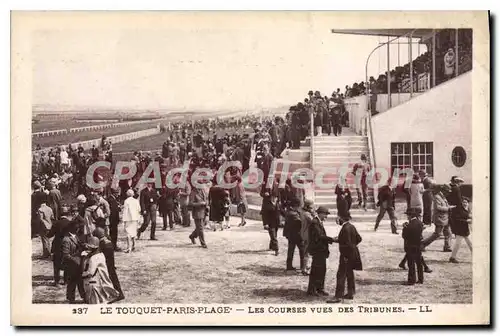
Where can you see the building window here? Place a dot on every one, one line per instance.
(415, 155)
(458, 156)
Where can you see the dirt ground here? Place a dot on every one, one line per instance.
(238, 268)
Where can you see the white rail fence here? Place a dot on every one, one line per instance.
(87, 144)
(91, 128)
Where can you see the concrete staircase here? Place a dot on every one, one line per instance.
(341, 153)
(329, 152)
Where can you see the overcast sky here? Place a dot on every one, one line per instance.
(262, 65)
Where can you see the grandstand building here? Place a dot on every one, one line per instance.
(422, 116)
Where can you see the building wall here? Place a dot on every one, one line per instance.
(356, 108)
(443, 116)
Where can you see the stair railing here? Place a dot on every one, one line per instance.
(311, 155)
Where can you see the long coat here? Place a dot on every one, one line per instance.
(54, 202)
(269, 211)
(441, 210)
(58, 231)
(71, 260)
(348, 240)
(412, 235)
(219, 203)
(97, 284)
(198, 199)
(168, 199)
(293, 225)
(318, 240)
(460, 223)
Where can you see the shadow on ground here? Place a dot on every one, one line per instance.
(249, 251)
(383, 269)
(287, 294)
(266, 270)
(376, 282)
(42, 280)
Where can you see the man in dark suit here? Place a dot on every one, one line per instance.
(58, 231)
(349, 260)
(270, 218)
(71, 259)
(293, 226)
(412, 235)
(114, 217)
(149, 203)
(318, 248)
(198, 200)
(107, 248)
(386, 202)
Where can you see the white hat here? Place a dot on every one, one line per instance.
(81, 198)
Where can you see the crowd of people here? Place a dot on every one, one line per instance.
(445, 66)
(84, 221)
(428, 203)
(65, 208)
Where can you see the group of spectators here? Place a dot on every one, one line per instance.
(428, 203)
(422, 64)
(66, 208)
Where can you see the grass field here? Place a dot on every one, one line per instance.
(238, 268)
(50, 125)
(65, 139)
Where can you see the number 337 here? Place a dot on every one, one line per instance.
(80, 311)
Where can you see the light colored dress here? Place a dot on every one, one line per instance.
(96, 282)
(131, 215)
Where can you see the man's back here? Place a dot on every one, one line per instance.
(412, 233)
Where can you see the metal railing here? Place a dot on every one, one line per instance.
(368, 99)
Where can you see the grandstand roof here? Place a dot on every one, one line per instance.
(418, 33)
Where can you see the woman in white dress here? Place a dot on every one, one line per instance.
(96, 282)
(131, 216)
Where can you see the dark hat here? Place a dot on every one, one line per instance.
(413, 212)
(92, 243)
(99, 232)
(363, 157)
(345, 217)
(322, 209)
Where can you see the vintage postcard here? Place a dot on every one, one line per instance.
(250, 168)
